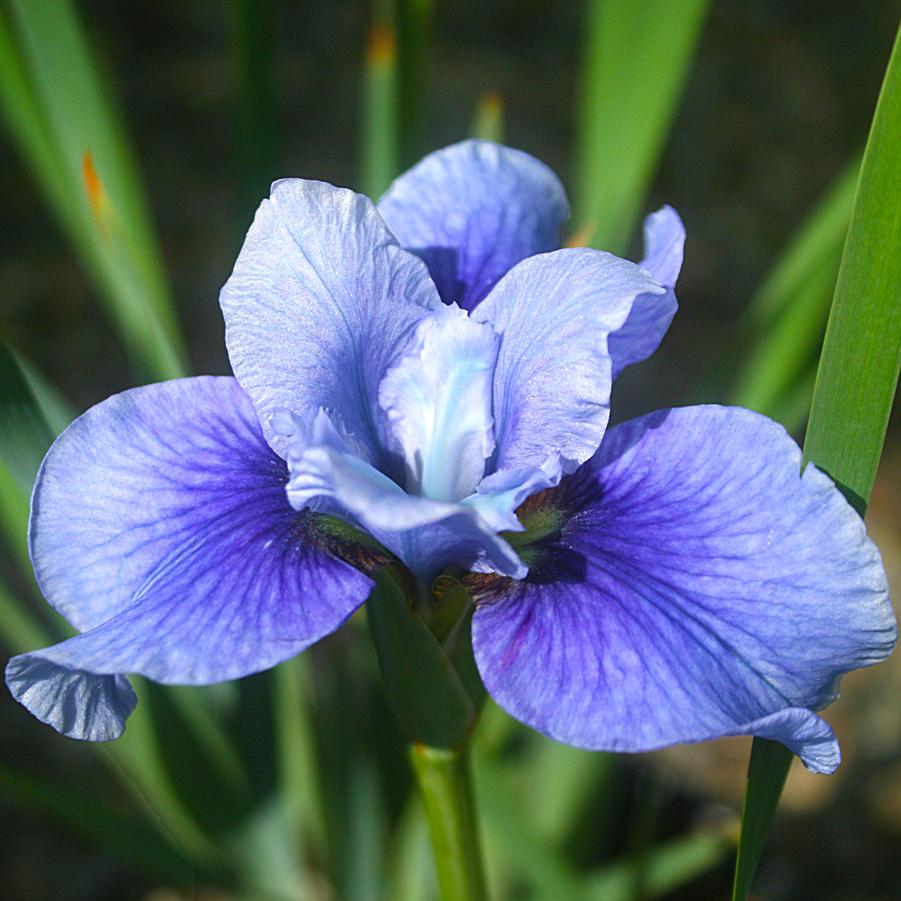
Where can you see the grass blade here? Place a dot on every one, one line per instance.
(414, 34)
(786, 317)
(665, 867)
(257, 108)
(129, 840)
(488, 120)
(297, 763)
(638, 57)
(853, 395)
(56, 109)
(380, 150)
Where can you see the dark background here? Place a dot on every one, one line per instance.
(779, 99)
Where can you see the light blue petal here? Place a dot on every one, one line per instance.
(320, 300)
(555, 313)
(472, 211)
(426, 534)
(74, 702)
(501, 494)
(701, 587)
(438, 400)
(161, 530)
(651, 314)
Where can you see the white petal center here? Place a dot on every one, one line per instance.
(438, 399)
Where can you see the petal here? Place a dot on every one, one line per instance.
(651, 315)
(426, 534)
(701, 587)
(161, 530)
(502, 493)
(320, 299)
(438, 398)
(555, 314)
(472, 211)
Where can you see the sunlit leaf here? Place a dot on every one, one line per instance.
(56, 107)
(379, 149)
(853, 395)
(637, 59)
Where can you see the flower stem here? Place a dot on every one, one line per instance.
(444, 785)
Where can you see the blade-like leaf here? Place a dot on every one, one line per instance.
(853, 395)
(488, 119)
(257, 114)
(786, 317)
(414, 32)
(30, 413)
(298, 777)
(637, 58)
(56, 108)
(665, 867)
(379, 152)
(421, 685)
(131, 840)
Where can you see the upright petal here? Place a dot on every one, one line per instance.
(160, 529)
(651, 314)
(700, 587)
(319, 301)
(472, 211)
(555, 314)
(438, 399)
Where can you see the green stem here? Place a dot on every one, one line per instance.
(442, 775)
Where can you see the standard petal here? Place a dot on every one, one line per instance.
(472, 211)
(651, 314)
(319, 301)
(161, 530)
(555, 313)
(700, 587)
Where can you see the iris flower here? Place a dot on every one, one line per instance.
(435, 372)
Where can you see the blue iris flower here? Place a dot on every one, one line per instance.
(435, 372)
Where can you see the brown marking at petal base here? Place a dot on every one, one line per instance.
(346, 543)
(486, 587)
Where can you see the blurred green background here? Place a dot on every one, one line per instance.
(777, 103)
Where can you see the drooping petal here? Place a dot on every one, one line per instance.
(651, 314)
(700, 587)
(438, 398)
(472, 211)
(320, 299)
(426, 534)
(160, 529)
(555, 314)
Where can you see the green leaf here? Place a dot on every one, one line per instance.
(25, 433)
(785, 319)
(488, 119)
(637, 59)
(409, 876)
(257, 113)
(421, 685)
(510, 831)
(297, 764)
(414, 28)
(56, 108)
(20, 630)
(853, 395)
(30, 414)
(130, 840)
(665, 867)
(380, 137)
